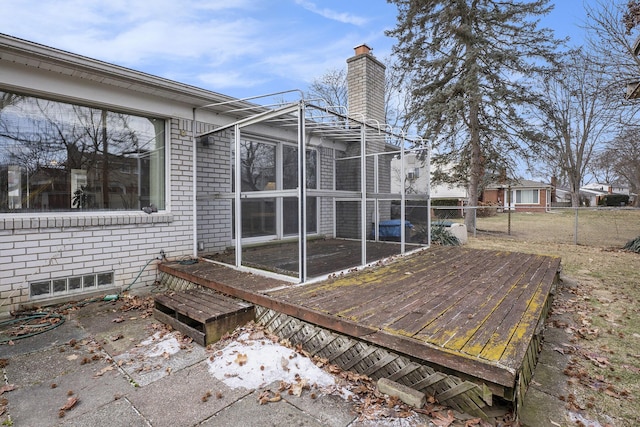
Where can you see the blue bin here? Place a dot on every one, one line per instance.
(390, 229)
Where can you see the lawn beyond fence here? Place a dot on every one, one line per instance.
(598, 227)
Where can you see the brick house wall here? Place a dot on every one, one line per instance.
(38, 247)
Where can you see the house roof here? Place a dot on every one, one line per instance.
(519, 183)
(27, 53)
(321, 121)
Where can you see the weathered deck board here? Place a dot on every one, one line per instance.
(472, 312)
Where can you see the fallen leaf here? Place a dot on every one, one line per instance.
(118, 320)
(72, 357)
(104, 370)
(71, 402)
(442, 420)
(284, 363)
(241, 359)
(7, 387)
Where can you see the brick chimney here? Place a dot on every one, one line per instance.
(365, 85)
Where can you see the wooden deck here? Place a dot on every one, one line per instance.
(472, 313)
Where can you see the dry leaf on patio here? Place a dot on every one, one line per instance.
(284, 363)
(256, 335)
(72, 357)
(296, 389)
(104, 370)
(7, 387)
(241, 359)
(71, 402)
(442, 420)
(118, 320)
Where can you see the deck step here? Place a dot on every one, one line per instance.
(202, 315)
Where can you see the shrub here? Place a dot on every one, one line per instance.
(614, 200)
(633, 245)
(441, 235)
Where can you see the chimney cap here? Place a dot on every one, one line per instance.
(362, 49)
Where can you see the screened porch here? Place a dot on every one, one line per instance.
(311, 193)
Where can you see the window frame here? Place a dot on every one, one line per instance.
(535, 191)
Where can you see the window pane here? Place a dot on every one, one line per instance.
(258, 217)
(59, 285)
(258, 166)
(56, 156)
(40, 288)
(105, 279)
(527, 197)
(75, 283)
(89, 281)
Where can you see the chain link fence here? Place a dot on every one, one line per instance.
(599, 227)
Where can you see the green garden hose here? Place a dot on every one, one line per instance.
(28, 326)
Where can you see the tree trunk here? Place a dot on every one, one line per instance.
(476, 166)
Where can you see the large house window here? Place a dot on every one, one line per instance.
(56, 156)
(527, 197)
(269, 166)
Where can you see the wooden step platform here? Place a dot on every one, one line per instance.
(202, 315)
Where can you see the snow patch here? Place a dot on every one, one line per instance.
(160, 345)
(255, 363)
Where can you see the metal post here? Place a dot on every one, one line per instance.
(236, 199)
(403, 200)
(509, 211)
(194, 207)
(363, 196)
(575, 226)
(302, 191)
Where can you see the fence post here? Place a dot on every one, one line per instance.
(575, 228)
(475, 222)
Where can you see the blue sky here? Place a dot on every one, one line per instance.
(240, 48)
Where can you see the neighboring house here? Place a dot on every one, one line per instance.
(519, 195)
(104, 170)
(418, 180)
(591, 194)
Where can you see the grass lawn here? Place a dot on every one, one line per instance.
(602, 227)
(603, 302)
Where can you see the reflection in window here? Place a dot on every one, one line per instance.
(56, 156)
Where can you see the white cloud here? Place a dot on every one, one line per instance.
(344, 17)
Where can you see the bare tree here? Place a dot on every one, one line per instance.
(579, 110)
(332, 89)
(611, 40)
(621, 160)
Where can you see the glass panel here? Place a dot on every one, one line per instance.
(59, 156)
(258, 217)
(105, 279)
(89, 281)
(527, 196)
(59, 285)
(75, 283)
(258, 166)
(40, 288)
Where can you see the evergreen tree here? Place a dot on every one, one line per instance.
(470, 64)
